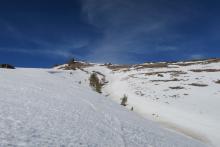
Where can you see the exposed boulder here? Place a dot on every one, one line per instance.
(73, 65)
(8, 66)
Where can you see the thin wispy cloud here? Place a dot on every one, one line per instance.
(42, 47)
(131, 26)
(118, 31)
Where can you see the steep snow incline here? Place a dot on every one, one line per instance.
(183, 98)
(45, 107)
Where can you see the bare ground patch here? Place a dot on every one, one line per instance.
(170, 80)
(118, 67)
(172, 72)
(194, 62)
(198, 84)
(176, 87)
(217, 82)
(205, 70)
(77, 65)
(151, 65)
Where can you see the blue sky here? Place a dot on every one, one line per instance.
(41, 33)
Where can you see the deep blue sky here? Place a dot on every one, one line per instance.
(40, 33)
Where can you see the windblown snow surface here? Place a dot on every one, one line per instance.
(51, 107)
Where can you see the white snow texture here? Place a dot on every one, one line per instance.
(51, 107)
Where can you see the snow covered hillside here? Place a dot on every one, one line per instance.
(51, 107)
(182, 96)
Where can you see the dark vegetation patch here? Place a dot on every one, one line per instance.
(139, 93)
(138, 66)
(175, 79)
(54, 72)
(95, 83)
(77, 65)
(172, 72)
(151, 65)
(8, 66)
(73, 65)
(124, 100)
(160, 75)
(186, 64)
(214, 60)
(205, 70)
(198, 84)
(176, 87)
(200, 61)
(103, 79)
(160, 64)
(175, 96)
(217, 82)
(118, 67)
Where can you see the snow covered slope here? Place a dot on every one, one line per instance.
(183, 96)
(49, 107)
